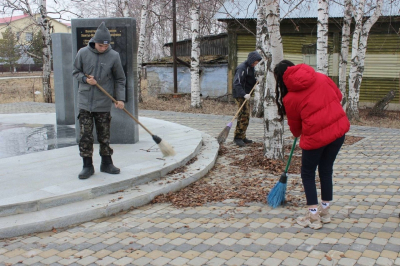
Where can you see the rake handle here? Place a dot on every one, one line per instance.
(237, 113)
(115, 101)
(290, 155)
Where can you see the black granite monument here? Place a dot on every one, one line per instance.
(123, 40)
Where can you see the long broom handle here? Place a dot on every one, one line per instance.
(126, 111)
(237, 113)
(290, 155)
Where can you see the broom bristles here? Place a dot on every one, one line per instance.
(166, 148)
(224, 133)
(277, 195)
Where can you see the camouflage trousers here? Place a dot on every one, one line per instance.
(102, 120)
(242, 119)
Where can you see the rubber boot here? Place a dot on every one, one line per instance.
(247, 141)
(107, 165)
(88, 169)
(239, 142)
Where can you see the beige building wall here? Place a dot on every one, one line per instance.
(26, 27)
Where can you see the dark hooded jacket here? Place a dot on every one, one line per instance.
(108, 72)
(245, 78)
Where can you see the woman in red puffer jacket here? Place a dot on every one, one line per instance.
(311, 103)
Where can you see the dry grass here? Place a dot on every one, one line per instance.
(391, 119)
(209, 106)
(22, 90)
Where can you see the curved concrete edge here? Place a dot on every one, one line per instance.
(106, 205)
(187, 147)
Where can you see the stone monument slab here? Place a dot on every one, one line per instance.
(123, 40)
(62, 65)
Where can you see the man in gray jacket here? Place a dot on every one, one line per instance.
(103, 66)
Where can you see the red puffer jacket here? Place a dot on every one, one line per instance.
(313, 108)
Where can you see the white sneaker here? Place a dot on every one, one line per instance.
(311, 220)
(324, 214)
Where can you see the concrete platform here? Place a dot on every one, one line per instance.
(41, 190)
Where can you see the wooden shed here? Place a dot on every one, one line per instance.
(209, 45)
(299, 36)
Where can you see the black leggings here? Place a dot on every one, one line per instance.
(324, 158)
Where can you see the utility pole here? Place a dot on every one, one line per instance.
(174, 45)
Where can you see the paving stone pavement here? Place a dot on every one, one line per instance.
(364, 231)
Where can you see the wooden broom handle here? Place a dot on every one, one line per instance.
(126, 111)
(237, 113)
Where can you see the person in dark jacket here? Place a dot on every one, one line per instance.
(311, 103)
(103, 66)
(243, 82)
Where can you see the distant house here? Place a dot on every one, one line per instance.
(213, 65)
(299, 35)
(25, 26)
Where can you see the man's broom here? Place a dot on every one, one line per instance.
(165, 147)
(224, 133)
(277, 195)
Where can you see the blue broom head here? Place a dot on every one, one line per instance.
(277, 195)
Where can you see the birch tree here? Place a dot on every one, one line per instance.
(273, 128)
(344, 52)
(195, 56)
(261, 44)
(352, 98)
(45, 28)
(358, 57)
(44, 24)
(322, 36)
(141, 47)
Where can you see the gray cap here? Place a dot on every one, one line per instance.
(102, 34)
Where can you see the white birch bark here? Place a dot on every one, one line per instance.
(125, 9)
(344, 53)
(273, 128)
(195, 55)
(261, 44)
(141, 46)
(352, 103)
(322, 37)
(358, 61)
(45, 28)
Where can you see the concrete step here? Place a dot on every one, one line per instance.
(38, 181)
(107, 204)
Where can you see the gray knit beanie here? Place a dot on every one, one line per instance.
(102, 34)
(252, 57)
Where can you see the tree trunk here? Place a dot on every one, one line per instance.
(273, 128)
(195, 56)
(45, 28)
(344, 53)
(261, 40)
(125, 10)
(142, 40)
(357, 70)
(322, 37)
(352, 106)
(379, 107)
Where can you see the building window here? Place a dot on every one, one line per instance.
(28, 36)
(18, 34)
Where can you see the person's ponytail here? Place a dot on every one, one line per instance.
(280, 89)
